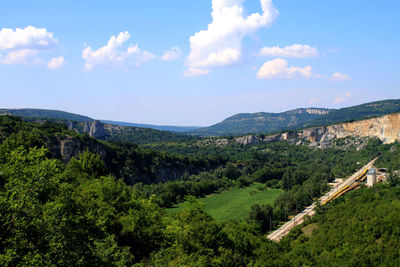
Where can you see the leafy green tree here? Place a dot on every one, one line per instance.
(263, 216)
(87, 165)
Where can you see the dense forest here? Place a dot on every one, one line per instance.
(105, 204)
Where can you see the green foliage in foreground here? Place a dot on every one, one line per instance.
(74, 214)
(361, 229)
(235, 203)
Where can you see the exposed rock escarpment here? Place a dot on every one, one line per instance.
(67, 147)
(94, 129)
(386, 128)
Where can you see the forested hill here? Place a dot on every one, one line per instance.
(123, 160)
(155, 127)
(45, 114)
(368, 110)
(32, 113)
(239, 124)
(261, 122)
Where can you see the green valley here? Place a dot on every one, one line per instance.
(234, 204)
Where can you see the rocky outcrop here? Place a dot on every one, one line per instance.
(314, 111)
(67, 147)
(386, 128)
(95, 129)
(248, 140)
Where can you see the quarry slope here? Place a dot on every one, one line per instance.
(386, 128)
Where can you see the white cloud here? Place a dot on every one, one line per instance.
(279, 69)
(113, 55)
(22, 56)
(341, 99)
(296, 50)
(27, 38)
(221, 43)
(338, 77)
(56, 62)
(22, 46)
(172, 54)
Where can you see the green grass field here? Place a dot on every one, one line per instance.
(234, 203)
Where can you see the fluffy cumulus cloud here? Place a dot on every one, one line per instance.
(292, 51)
(221, 43)
(280, 69)
(56, 62)
(114, 55)
(22, 46)
(172, 54)
(339, 77)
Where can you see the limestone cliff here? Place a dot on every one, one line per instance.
(67, 147)
(94, 129)
(386, 128)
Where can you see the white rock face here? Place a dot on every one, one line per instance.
(385, 128)
(248, 140)
(94, 128)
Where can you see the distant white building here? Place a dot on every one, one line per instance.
(371, 177)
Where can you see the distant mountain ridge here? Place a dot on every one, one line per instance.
(155, 127)
(239, 124)
(263, 122)
(62, 115)
(267, 123)
(45, 114)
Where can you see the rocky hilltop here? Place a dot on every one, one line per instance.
(315, 111)
(386, 128)
(268, 123)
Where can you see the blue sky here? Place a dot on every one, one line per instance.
(196, 62)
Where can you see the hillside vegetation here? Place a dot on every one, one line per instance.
(261, 122)
(297, 119)
(359, 112)
(45, 114)
(155, 127)
(77, 209)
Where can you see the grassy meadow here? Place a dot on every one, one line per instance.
(235, 203)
